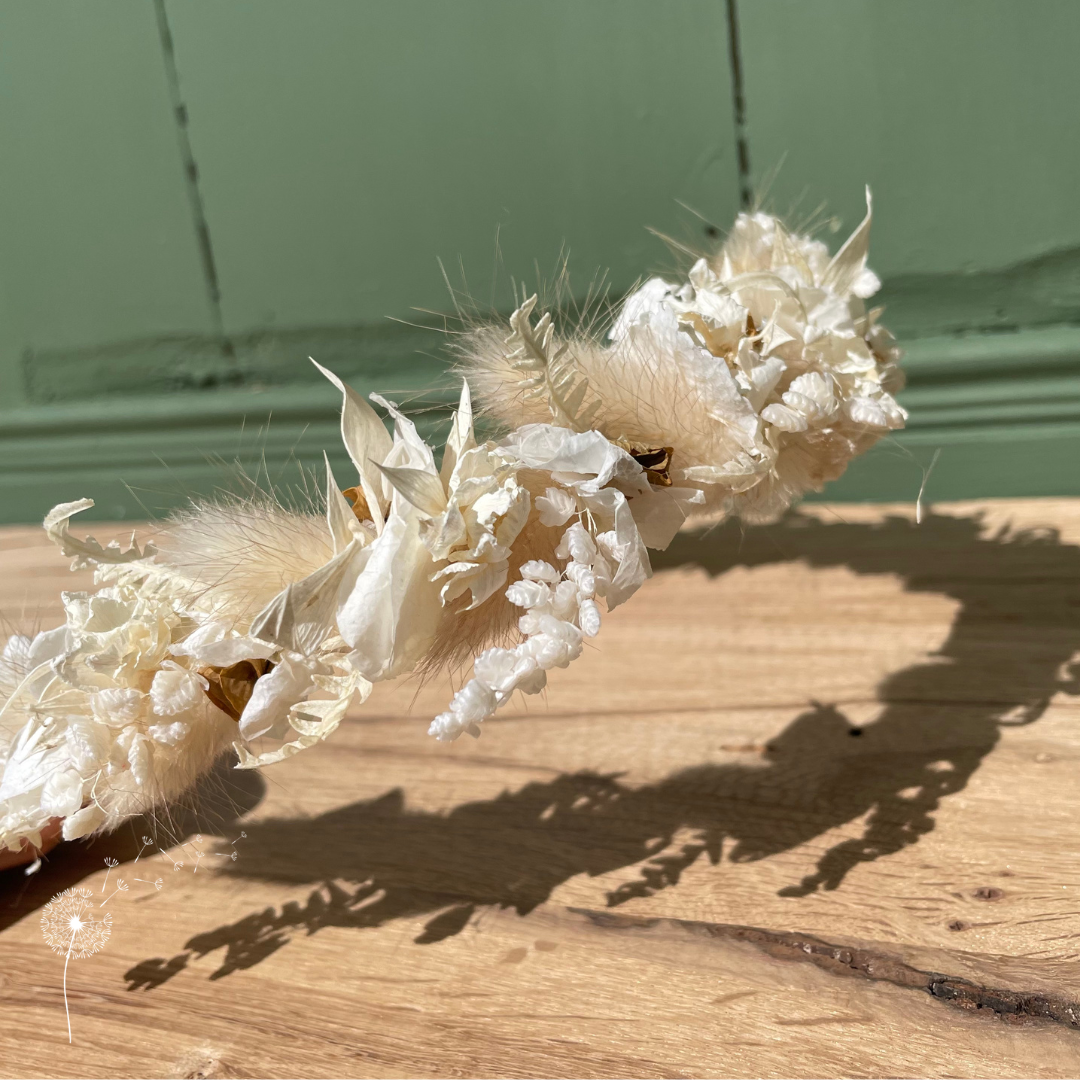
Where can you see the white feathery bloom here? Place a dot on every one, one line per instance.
(763, 372)
(805, 374)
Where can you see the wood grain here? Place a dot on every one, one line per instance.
(808, 809)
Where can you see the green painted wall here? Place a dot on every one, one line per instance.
(196, 195)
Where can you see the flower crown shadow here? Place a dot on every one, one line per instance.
(1010, 647)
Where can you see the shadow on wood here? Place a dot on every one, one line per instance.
(213, 805)
(378, 860)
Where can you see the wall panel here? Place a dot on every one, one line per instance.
(345, 146)
(95, 227)
(340, 148)
(962, 116)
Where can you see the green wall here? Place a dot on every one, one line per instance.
(195, 195)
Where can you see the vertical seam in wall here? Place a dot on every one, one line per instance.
(191, 177)
(738, 100)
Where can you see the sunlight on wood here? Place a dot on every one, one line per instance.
(836, 838)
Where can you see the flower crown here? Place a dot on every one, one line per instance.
(731, 393)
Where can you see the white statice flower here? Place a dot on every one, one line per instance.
(559, 610)
(254, 627)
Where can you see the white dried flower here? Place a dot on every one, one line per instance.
(763, 372)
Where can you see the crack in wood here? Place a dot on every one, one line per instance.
(1014, 1006)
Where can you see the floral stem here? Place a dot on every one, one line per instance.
(66, 959)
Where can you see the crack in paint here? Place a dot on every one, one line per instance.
(191, 178)
(738, 101)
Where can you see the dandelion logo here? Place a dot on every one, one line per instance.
(199, 853)
(110, 863)
(70, 925)
(121, 886)
(175, 865)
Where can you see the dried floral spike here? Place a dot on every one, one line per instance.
(547, 375)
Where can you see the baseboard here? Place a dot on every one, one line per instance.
(997, 414)
(991, 415)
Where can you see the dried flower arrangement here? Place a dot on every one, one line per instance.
(732, 393)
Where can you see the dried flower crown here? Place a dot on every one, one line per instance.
(755, 380)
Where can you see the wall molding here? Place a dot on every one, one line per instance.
(1002, 410)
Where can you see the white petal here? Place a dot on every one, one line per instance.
(141, 758)
(528, 594)
(47, 645)
(87, 743)
(640, 306)
(534, 682)
(409, 449)
(117, 706)
(87, 551)
(62, 794)
(389, 614)
(589, 618)
(659, 516)
(461, 437)
(267, 711)
(784, 418)
(169, 734)
(175, 689)
(301, 616)
(423, 489)
(556, 506)
(217, 644)
(577, 544)
(34, 756)
(83, 821)
(848, 263)
(537, 570)
(340, 519)
(366, 440)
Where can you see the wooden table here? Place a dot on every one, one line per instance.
(809, 808)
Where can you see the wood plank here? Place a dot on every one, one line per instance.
(681, 863)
